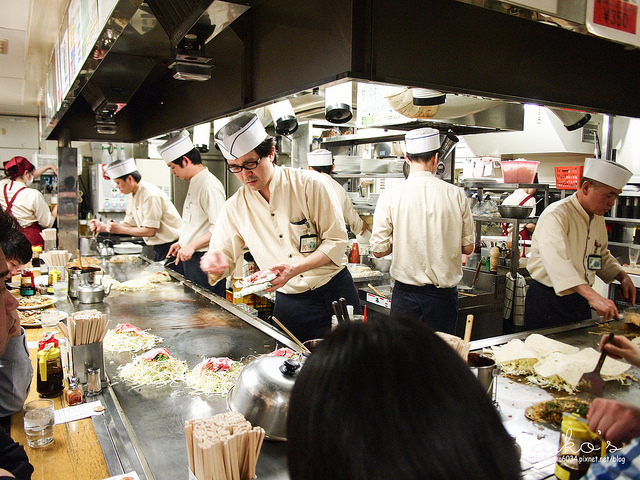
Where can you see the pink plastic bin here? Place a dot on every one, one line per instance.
(519, 171)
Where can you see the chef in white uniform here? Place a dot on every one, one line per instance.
(292, 224)
(570, 247)
(428, 225)
(321, 160)
(149, 213)
(202, 205)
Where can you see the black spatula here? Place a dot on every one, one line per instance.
(593, 381)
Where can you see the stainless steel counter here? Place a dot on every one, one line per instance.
(145, 425)
(142, 429)
(539, 443)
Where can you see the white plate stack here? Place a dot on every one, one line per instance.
(374, 165)
(346, 164)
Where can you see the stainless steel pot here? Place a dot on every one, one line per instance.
(79, 277)
(262, 393)
(92, 293)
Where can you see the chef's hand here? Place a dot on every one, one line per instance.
(365, 228)
(173, 250)
(113, 227)
(627, 288)
(285, 273)
(184, 254)
(96, 225)
(214, 262)
(605, 307)
(621, 347)
(614, 421)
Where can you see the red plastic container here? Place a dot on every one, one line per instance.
(519, 171)
(568, 178)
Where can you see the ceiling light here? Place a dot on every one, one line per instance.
(284, 117)
(571, 119)
(424, 97)
(337, 102)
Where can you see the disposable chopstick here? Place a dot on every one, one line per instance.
(291, 335)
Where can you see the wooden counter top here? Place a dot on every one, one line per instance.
(75, 452)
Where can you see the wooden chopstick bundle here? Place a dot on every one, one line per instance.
(223, 447)
(87, 326)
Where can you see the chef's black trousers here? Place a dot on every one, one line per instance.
(308, 314)
(160, 251)
(437, 307)
(191, 271)
(543, 308)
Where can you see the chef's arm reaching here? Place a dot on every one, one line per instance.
(606, 308)
(385, 253)
(122, 228)
(627, 287)
(287, 271)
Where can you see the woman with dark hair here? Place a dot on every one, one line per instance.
(27, 205)
(15, 245)
(390, 399)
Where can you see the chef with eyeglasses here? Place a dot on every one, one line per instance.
(292, 224)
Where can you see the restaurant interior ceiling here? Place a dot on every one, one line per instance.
(28, 30)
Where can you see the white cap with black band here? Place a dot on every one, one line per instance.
(422, 140)
(241, 135)
(176, 147)
(120, 168)
(604, 171)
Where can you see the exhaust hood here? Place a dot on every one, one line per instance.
(270, 50)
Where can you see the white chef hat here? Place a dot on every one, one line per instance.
(422, 140)
(607, 172)
(241, 135)
(176, 147)
(120, 168)
(320, 158)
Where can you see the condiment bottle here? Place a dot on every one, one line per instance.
(579, 448)
(50, 376)
(94, 387)
(47, 338)
(354, 254)
(74, 395)
(27, 284)
(35, 259)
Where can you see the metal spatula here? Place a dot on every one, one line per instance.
(593, 381)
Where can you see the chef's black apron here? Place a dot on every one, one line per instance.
(543, 308)
(308, 314)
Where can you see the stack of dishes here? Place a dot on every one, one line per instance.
(346, 164)
(374, 165)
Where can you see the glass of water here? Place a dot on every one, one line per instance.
(38, 422)
(633, 255)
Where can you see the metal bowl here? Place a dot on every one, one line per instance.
(514, 211)
(382, 264)
(262, 393)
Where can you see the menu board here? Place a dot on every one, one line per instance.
(75, 38)
(614, 19)
(373, 109)
(65, 78)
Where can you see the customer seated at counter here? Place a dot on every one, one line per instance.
(389, 399)
(13, 458)
(617, 422)
(16, 371)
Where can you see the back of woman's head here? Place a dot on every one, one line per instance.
(390, 399)
(14, 243)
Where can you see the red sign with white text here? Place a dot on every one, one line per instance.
(616, 14)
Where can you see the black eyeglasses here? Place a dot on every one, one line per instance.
(247, 166)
